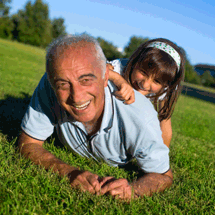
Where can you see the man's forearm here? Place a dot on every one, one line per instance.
(151, 183)
(33, 149)
(42, 157)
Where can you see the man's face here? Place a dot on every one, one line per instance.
(78, 82)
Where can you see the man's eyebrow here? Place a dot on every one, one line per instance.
(87, 75)
(59, 79)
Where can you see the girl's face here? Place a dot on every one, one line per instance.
(143, 83)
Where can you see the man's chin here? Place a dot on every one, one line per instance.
(84, 118)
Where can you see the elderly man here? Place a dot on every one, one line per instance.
(74, 97)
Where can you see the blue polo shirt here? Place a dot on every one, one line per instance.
(126, 132)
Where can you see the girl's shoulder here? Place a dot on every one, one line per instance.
(118, 65)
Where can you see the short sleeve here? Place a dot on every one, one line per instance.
(152, 154)
(38, 121)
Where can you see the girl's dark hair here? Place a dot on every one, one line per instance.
(162, 67)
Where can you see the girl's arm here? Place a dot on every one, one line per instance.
(166, 129)
(125, 92)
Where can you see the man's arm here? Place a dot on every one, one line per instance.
(33, 149)
(146, 185)
(152, 182)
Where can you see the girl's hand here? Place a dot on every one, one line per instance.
(125, 93)
(110, 66)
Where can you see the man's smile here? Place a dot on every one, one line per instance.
(82, 106)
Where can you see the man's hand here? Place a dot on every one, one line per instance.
(145, 185)
(84, 180)
(118, 188)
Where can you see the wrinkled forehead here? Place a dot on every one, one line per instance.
(75, 59)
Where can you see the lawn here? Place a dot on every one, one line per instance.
(28, 189)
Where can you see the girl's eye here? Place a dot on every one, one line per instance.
(144, 73)
(157, 81)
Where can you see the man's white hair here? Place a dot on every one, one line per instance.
(70, 40)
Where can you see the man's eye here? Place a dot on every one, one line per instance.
(63, 86)
(86, 81)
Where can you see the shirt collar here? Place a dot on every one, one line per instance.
(107, 120)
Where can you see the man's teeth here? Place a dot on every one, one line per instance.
(83, 106)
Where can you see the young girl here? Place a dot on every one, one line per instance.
(156, 70)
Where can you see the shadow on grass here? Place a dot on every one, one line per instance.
(199, 94)
(12, 110)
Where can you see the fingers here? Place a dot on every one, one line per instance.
(130, 100)
(106, 180)
(113, 185)
(122, 192)
(127, 97)
(94, 182)
(85, 181)
(110, 66)
(118, 188)
(126, 93)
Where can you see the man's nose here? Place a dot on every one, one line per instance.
(76, 93)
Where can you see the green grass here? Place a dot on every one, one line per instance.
(28, 189)
(20, 69)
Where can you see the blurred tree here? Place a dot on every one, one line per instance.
(207, 79)
(58, 27)
(133, 44)
(6, 24)
(111, 52)
(4, 7)
(191, 75)
(32, 25)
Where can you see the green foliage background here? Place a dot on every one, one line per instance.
(30, 25)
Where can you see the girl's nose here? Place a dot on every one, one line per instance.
(147, 84)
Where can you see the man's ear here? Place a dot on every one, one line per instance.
(106, 76)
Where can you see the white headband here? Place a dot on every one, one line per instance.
(168, 49)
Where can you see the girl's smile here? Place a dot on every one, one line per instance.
(144, 84)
